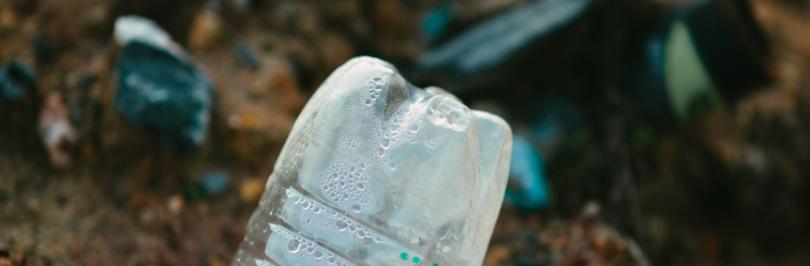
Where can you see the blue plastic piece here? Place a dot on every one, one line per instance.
(435, 23)
(215, 182)
(164, 95)
(14, 77)
(528, 171)
(487, 45)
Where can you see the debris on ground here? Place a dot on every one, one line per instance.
(107, 88)
(215, 182)
(56, 132)
(161, 93)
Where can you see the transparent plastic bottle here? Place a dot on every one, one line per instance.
(379, 172)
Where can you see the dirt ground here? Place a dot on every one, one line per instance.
(730, 188)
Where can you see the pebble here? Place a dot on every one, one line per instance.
(56, 132)
(8, 18)
(215, 182)
(205, 31)
(175, 204)
(245, 55)
(251, 190)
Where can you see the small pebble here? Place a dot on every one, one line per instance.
(8, 18)
(175, 204)
(56, 131)
(251, 190)
(215, 182)
(245, 55)
(205, 30)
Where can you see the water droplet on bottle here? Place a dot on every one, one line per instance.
(294, 246)
(356, 208)
(385, 143)
(341, 225)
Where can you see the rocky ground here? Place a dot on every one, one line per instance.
(730, 188)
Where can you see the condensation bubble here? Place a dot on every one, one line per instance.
(413, 128)
(356, 208)
(385, 143)
(294, 246)
(342, 225)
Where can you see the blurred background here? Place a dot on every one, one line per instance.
(647, 132)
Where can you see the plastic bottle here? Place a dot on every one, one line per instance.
(378, 172)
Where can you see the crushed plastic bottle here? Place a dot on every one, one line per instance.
(379, 172)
